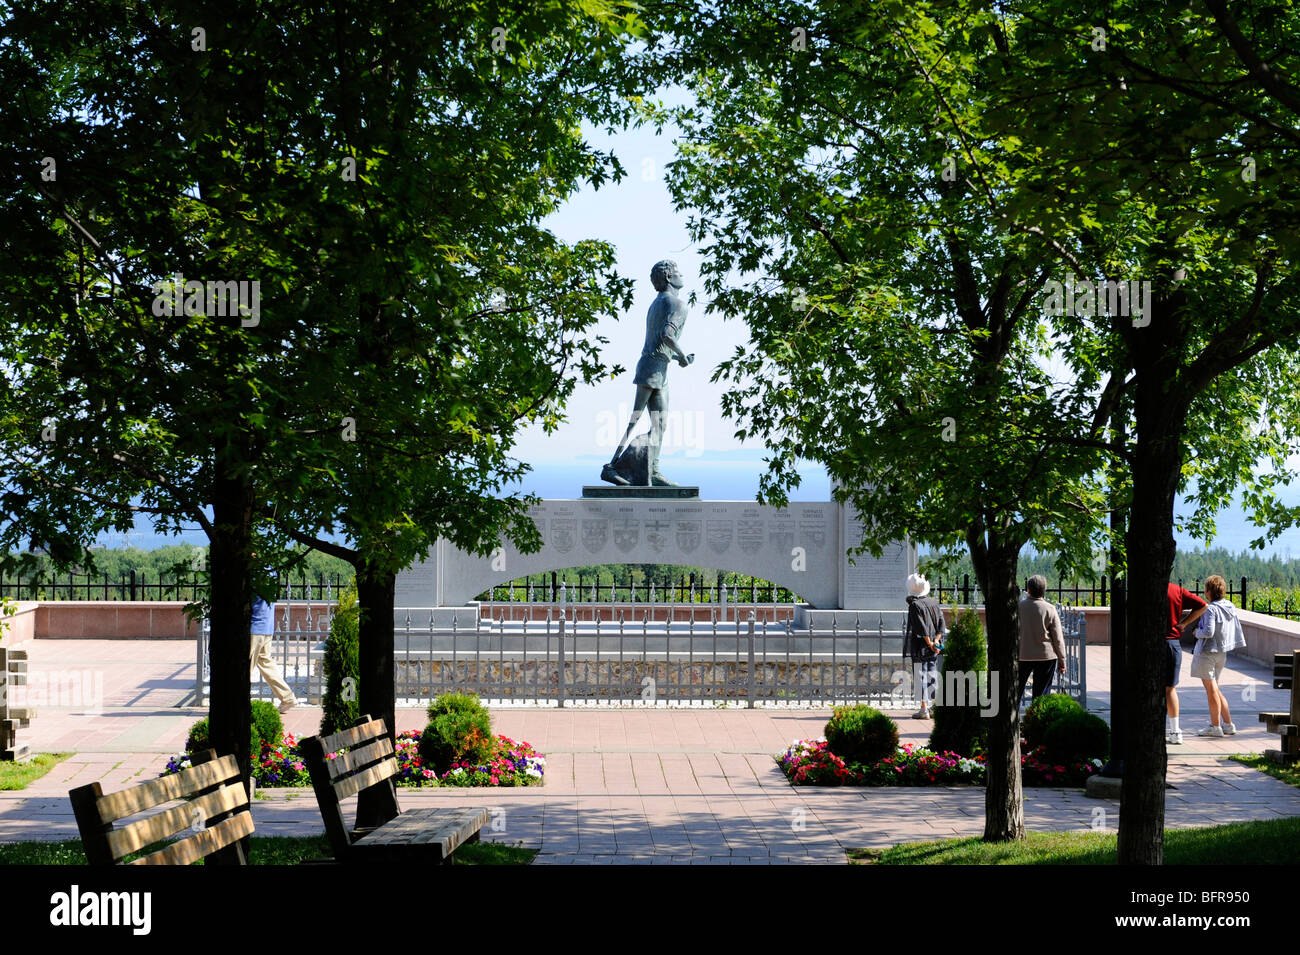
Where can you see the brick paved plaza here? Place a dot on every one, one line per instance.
(629, 785)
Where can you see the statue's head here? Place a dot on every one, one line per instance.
(664, 273)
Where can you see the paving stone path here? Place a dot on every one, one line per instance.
(628, 786)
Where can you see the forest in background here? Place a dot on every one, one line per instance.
(1274, 577)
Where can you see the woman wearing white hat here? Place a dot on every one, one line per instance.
(923, 640)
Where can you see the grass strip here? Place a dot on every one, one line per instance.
(1266, 842)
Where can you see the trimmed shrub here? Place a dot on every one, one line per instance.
(1078, 736)
(860, 734)
(1042, 713)
(459, 731)
(198, 738)
(340, 707)
(264, 725)
(958, 726)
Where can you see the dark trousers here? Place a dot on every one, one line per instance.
(1043, 670)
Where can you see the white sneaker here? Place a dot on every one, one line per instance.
(1212, 730)
(1175, 737)
(1229, 729)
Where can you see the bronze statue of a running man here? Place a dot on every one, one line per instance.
(638, 463)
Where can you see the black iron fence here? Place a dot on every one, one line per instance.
(139, 586)
(684, 588)
(1078, 594)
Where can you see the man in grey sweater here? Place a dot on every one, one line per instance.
(1042, 651)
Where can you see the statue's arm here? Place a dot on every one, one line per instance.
(670, 334)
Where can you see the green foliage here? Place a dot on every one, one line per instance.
(459, 731)
(198, 738)
(960, 728)
(1042, 713)
(861, 734)
(340, 707)
(1077, 736)
(265, 725)
(8, 607)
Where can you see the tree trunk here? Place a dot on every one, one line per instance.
(1156, 468)
(377, 697)
(231, 595)
(1004, 814)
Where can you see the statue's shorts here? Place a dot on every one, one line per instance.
(651, 371)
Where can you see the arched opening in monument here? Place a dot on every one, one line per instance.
(634, 592)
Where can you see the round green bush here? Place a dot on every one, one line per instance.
(860, 734)
(959, 728)
(198, 738)
(459, 731)
(264, 724)
(1042, 713)
(1078, 736)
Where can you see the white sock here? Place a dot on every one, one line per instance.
(1173, 725)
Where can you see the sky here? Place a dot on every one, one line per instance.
(700, 447)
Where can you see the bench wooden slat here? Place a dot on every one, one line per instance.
(351, 785)
(361, 756)
(166, 824)
(203, 843)
(443, 829)
(157, 791)
(354, 735)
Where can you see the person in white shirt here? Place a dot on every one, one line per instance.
(1218, 633)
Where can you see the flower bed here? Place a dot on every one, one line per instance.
(811, 763)
(512, 764)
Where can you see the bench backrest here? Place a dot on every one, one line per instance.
(369, 765)
(1284, 671)
(218, 815)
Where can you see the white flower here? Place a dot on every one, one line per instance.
(1098, 763)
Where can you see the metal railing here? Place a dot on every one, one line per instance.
(138, 586)
(633, 658)
(297, 646)
(684, 588)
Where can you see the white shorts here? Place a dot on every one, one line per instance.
(1209, 664)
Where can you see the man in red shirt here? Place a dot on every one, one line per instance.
(1180, 600)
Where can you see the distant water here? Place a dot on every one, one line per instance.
(737, 480)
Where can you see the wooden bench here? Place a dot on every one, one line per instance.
(218, 814)
(13, 672)
(1287, 725)
(423, 835)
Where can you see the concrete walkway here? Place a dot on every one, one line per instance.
(635, 786)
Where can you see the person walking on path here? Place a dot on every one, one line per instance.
(1042, 649)
(1180, 599)
(1218, 633)
(923, 640)
(263, 628)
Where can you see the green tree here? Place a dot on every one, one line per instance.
(899, 184)
(381, 193)
(1186, 179)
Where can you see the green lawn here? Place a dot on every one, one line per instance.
(19, 775)
(265, 850)
(1288, 774)
(1272, 842)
